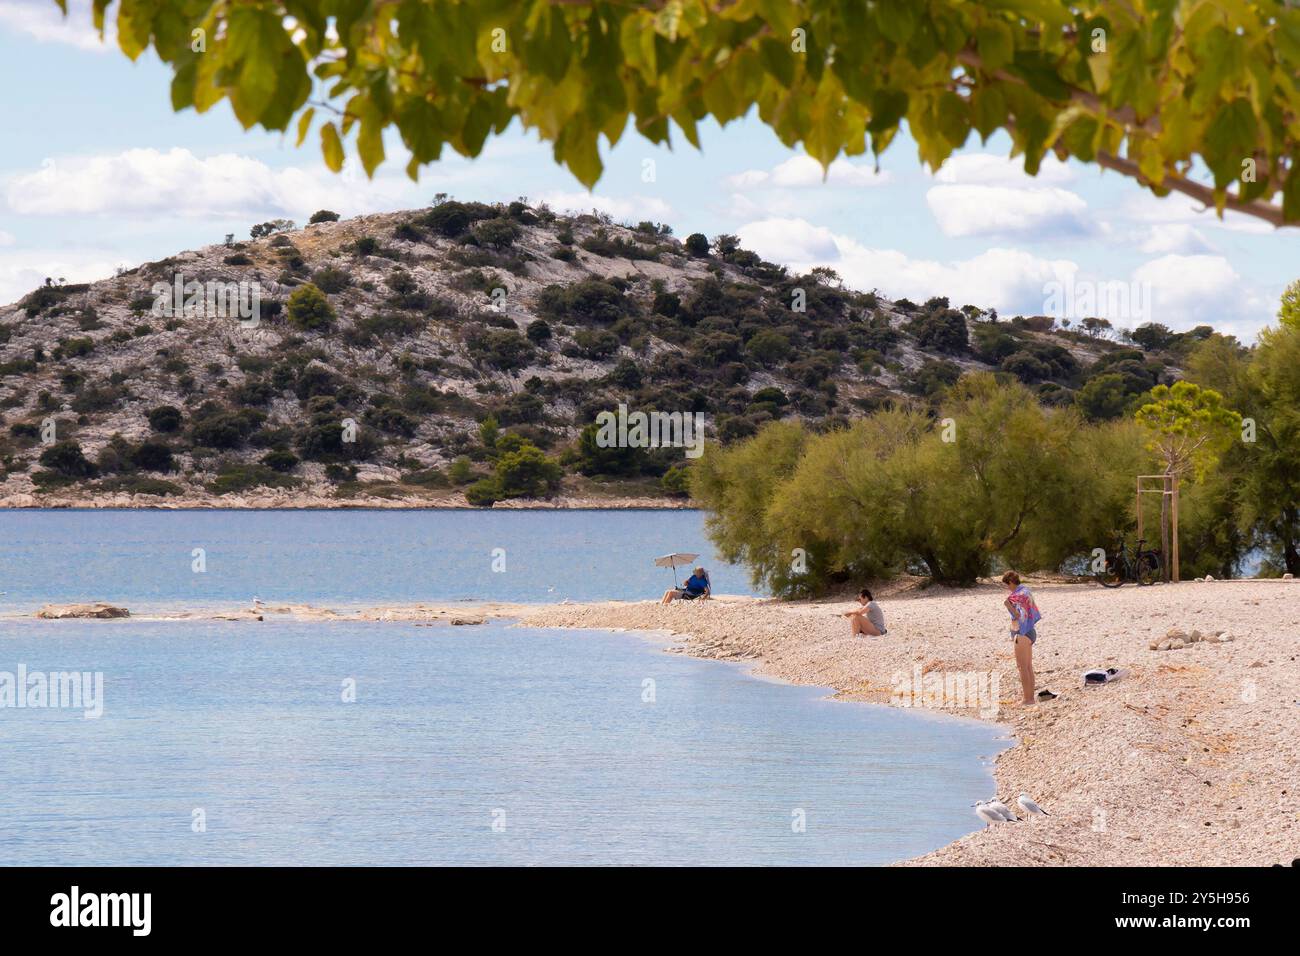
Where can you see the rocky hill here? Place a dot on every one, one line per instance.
(459, 352)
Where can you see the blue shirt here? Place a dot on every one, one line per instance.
(697, 585)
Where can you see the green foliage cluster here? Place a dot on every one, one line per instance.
(997, 478)
(310, 310)
(520, 469)
(1149, 90)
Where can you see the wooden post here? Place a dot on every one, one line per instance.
(1173, 531)
(1165, 495)
(1139, 506)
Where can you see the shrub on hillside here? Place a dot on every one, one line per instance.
(153, 456)
(483, 493)
(234, 478)
(309, 310)
(499, 233)
(66, 458)
(500, 349)
(588, 301)
(527, 473)
(280, 460)
(942, 331)
(331, 280)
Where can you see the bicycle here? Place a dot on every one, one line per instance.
(1143, 566)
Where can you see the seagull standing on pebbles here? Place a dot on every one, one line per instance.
(997, 806)
(1026, 802)
(994, 811)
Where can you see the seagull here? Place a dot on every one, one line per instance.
(1026, 802)
(998, 807)
(994, 811)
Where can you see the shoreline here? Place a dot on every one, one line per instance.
(124, 502)
(1189, 759)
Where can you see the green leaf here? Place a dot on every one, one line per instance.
(988, 110)
(995, 43)
(331, 147)
(421, 129)
(254, 43)
(897, 19)
(577, 148)
(888, 107)
(1038, 70)
(1230, 138)
(370, 138)
(952, 118)
(134, 26)
(304, 123)
(778, 60)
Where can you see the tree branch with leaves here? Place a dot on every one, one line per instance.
(1181, 95)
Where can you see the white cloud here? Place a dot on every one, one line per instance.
(1176, 237)
(149, 183)
(987, 169)
(802, 171)
(627, 208)
(796, 187)
(41, 20)
(1009, 280)
(6, 239)
(979, 210)
(1144, 208)
(1203, 290)
(790, 241)
(21, 271)
(1178, 290)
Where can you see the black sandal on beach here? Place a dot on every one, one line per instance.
(1047, 695)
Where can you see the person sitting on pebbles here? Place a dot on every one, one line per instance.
(868, 620)
(697, 586)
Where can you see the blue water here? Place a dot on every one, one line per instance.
(146, 558)
(487, 744)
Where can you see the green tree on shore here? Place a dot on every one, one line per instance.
(996, 477)
(1263, 468)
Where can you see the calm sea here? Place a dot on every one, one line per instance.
(324, 743)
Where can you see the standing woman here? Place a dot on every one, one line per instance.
(1024, 618)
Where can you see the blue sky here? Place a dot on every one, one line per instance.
(98, 172)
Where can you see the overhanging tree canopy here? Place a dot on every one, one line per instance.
(1143, 87)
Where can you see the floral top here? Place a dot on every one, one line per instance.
(1024, 609)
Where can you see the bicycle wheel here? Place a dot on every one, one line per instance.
(1149, 569)
(1114, 574)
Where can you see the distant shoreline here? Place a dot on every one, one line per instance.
(275, 503)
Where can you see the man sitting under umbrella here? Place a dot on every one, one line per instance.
(697, 586)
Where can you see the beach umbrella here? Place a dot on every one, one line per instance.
(675, 561)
